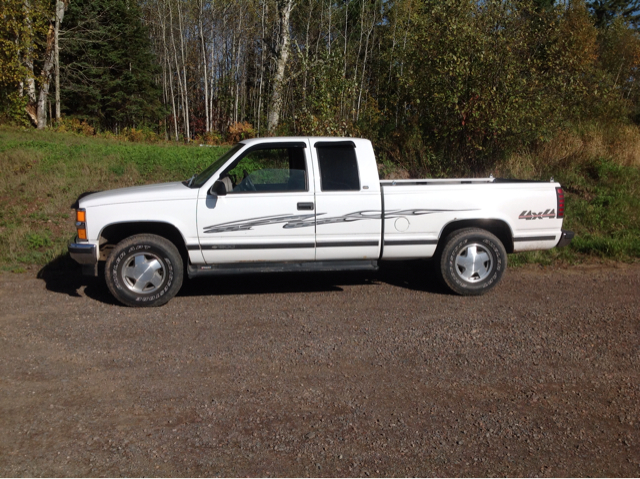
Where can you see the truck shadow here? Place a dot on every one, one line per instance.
(63, 276)
(419, 277)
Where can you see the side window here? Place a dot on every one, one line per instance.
(270, 170)
(338, 168)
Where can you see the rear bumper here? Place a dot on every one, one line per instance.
(565, 238)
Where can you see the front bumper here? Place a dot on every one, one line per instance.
(86, 254)
(565, 238)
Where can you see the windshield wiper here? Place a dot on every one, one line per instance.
(190, 180)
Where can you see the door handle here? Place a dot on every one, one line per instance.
(305, 206)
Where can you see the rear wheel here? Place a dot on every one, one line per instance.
(144, 270)
(472, 261)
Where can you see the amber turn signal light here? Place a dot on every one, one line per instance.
(81, 224)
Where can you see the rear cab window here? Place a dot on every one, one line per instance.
(338, 166)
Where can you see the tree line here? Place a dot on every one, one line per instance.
(436, 84)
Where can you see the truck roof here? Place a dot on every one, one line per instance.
(280, 139)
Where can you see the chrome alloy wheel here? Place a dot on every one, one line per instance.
(474, 263)
(143, 273)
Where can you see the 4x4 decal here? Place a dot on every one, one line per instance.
(530, 215)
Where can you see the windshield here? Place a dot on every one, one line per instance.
(202, 178)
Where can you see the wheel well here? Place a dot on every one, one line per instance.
(497, 227)
(111, 235)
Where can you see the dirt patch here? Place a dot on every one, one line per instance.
(324, 375)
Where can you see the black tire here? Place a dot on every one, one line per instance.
(144, 271)
(472, 261)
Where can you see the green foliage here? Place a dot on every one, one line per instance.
(328, 100)
(108, 67)
(442, 87)
(620, 60)
(37, 240)
(23, 28)
(485, 78)
(454, 86)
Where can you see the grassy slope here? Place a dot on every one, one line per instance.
(599, 169)
(44, 172)
(603, 209)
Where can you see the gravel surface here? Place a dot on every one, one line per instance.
(362, 374)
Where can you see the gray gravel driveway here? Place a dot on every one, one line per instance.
(361, 374)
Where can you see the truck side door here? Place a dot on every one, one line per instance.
(268, 213)
(348, 202)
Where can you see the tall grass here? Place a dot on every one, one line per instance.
(599, 168)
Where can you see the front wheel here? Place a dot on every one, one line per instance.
(472, 261)
(144, 270)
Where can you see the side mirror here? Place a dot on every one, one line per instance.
(219, 189)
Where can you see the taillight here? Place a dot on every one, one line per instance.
(81, 224)
(560, 197)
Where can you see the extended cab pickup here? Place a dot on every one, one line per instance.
(309, 204)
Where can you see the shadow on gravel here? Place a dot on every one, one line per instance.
(415, 276)
(64, 276)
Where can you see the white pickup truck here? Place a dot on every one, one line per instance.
(309, 204)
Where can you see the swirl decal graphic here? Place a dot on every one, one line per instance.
(303, 221)
(249, 224)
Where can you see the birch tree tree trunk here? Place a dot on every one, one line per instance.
(167, 61)
(45, 78)
(175, 57)
(282, 55)
(184, 71)
(364, 64)
(28, 62)
(60, 7)
(262, 24)
(204, 65)
(45, 74)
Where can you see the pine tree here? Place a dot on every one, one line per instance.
(108, 66)
(544, 4)
(605, 11)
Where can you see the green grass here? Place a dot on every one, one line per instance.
(605, 210)
(42, 174)
(602, 208)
